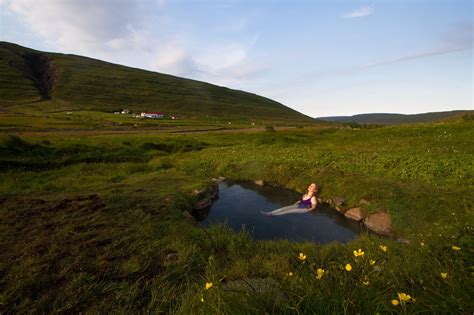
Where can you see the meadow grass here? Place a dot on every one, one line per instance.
(61, 117)
(87, 222)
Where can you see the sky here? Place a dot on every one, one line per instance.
(321, 57)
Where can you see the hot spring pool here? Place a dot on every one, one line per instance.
(239, 205)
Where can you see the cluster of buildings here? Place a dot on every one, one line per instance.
(153, 115)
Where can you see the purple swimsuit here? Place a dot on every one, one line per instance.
(305, 203)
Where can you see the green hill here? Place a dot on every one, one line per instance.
(72, 82)
(381, 118)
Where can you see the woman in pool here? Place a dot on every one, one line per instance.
(307, 203)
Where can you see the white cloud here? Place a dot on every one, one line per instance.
(360, 12)
(412, 56)
(139, 34)
(460, 35)
(238, 24)
(223, 55)
(223, 63)
(296, 90)
(459, 38)
(173, 58)
(231, 62)
(80, 26)
(161, 3)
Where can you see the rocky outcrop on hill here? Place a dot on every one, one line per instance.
(43, 73)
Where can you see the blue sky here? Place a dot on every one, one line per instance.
(321, 58)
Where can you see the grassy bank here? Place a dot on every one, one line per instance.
(97, 223)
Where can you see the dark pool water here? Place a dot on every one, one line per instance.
(239, 205)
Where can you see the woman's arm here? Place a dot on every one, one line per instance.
(299, 200)
(314, 203)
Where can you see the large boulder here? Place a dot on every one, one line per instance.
(380, 223)
(354, 214)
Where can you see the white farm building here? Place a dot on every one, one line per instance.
(152, 115)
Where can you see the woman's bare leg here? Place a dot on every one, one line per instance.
(287, 210)
(274, 212)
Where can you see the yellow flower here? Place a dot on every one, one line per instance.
(395, 302)
(404, 297)
(290, 274)
(444, 275)
(383, 247)
(302, 257)
(358, 253)
(456, 248)
(348, 267)
(319, 273)
(366, 282)
(209, 285)
(202, 299)
(372, 262)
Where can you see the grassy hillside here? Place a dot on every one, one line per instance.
(72, 82)
(17, 82)
(397, 118)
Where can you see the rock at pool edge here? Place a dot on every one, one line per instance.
(380, 223)
(354, 214)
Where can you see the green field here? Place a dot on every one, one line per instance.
(88, 219)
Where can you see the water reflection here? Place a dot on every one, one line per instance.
(239, 205)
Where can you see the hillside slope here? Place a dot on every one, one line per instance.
(382, 118)
(77, 82)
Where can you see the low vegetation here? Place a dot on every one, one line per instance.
(98, 222)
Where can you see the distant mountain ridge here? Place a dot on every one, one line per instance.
(72, 82)
(386, 118)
